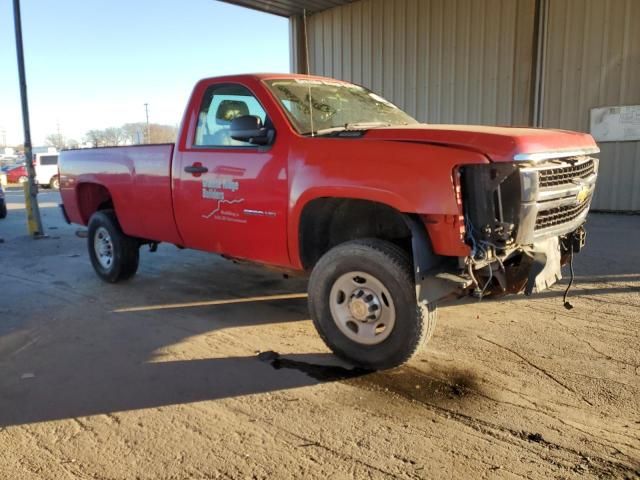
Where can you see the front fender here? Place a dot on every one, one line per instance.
(411, 177)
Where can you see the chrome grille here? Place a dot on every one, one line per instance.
(560, 215)
(552, 177)
(555, 196)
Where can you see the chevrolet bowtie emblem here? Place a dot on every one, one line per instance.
(583, 194)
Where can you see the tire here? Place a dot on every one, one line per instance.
(3, 209)
(113, 254)
(54, 183)
(384, 274)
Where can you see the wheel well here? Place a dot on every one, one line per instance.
(91, 198)
(327, 222)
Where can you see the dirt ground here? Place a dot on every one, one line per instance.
(200, 368)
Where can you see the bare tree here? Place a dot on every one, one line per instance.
(163, 133)
(56, 140)
(95, 138)
(114, 136)
(134, 132)
(131, 134)
(72, 143)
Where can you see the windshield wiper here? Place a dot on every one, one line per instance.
(366, 125)
(352, 126)
(325, 131)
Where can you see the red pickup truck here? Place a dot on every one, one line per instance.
(319, 176)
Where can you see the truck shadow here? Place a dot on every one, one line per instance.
(76, 367)
(90, 389)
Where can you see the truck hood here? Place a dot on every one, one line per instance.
(499, 144)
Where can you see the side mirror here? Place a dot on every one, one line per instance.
(249, 128)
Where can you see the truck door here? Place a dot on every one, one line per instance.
(230, 197)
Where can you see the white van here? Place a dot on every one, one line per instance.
(46, 165)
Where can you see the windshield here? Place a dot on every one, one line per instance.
(336, 106)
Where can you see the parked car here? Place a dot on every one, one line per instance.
(3, 204)
(322, 177)
(7, 160)
(17, 174)
(46, 166)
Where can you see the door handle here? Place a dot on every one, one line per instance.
(196, 169)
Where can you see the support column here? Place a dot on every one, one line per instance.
(34, 222)
(297, 45)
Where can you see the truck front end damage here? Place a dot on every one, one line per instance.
(525, 219)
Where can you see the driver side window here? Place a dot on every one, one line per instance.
(221, 104)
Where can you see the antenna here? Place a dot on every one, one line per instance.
(306, 55)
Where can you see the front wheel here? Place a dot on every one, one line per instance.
(114, 255)
(54, 183)
(362, 301)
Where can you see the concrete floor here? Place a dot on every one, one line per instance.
(161, 377)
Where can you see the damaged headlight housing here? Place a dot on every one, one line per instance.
(492, 199)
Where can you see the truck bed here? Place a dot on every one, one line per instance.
(139, 182)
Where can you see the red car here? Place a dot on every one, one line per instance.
(17, 174)
(322, 177)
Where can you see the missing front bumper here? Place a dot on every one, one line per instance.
(531, 270)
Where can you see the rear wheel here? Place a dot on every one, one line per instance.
(55, 183)
(114, 255)
(362, 301)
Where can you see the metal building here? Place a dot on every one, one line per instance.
(504, 62)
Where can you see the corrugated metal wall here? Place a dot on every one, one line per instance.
(592, 60)
(471, 61)
(443, 61)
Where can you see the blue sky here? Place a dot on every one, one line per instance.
(94, 63)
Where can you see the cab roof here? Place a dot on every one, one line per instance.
(272, 76)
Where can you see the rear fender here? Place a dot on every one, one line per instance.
(90, 197)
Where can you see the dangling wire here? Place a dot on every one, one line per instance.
(306, 54)
(567, 304)
(488, 282)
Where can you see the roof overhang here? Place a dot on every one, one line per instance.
(289, 8)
